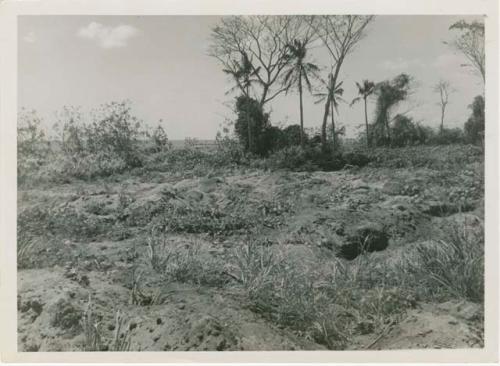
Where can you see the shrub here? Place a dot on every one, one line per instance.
(308, 158)
(293, 158)
(33, 149)
(424, 134)
(403, 131)
(356, 158)
(106, 146)
(251, 116)
(474, 127)
(448, 136)
(291, 135)
(229, 150)
(160, 139)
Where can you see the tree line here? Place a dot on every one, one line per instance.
(267, 56)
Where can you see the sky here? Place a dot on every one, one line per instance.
(161, 64)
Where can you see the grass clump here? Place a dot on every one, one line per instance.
(329, 304)
(93, 335)
(185, 263)
(452, 267)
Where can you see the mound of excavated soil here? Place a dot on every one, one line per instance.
(312, 215)
(446, 325)
(51, 308)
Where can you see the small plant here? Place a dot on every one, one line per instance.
(158, 252)
(121, 341)
(91, 329)
(26, 250)
(141, 298)
(183, 263)
(253, 266)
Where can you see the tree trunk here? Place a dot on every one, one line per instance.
(333, 79)
(323, 125)
(301, 112)
(442, 119)
(249, 131)
(366, 124)
(334, 135)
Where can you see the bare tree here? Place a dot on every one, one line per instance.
(471, 43)
(262, 38)
(444, 90)
(339, 34)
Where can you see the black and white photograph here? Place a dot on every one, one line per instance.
(284, 182)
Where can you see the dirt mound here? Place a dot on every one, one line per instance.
(51, 308)
(446, 325)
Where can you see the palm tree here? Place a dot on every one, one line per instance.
(335, 92)
(242, 72)
(299, 69)
(365, 90)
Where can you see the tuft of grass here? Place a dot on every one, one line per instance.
(139, 297)
(91, 329)
(121, 341)
(26, 250)
(158, 253)
(253, 265)
(187, 263)
(453, 267)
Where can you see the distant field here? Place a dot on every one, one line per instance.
(199, 143)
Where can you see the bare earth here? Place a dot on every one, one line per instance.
(308, 215)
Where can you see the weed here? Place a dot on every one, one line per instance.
(453, 267)
(183, 263)
(91, 329)
(121, 341)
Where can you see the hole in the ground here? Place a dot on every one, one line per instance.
(364, 240)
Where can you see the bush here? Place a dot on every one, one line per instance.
(312, 158)
(293, 158)
(356, 158)
(160, 139)
(108, 145)
(474, 127)
(229, 150)
(432, 157)
(33, 149)
(291, 136)
(403, 132)
(251, 116)
(448, 136)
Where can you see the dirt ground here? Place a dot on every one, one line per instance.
(308, 216)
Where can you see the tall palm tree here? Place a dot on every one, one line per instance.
(243, 73)
(365, 89)
(335, 92)
(299, 69)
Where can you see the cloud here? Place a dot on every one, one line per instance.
(30, 37)
(107, 37)
(447, 60)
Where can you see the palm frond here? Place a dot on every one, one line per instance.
(354, 101)
(308, 83)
